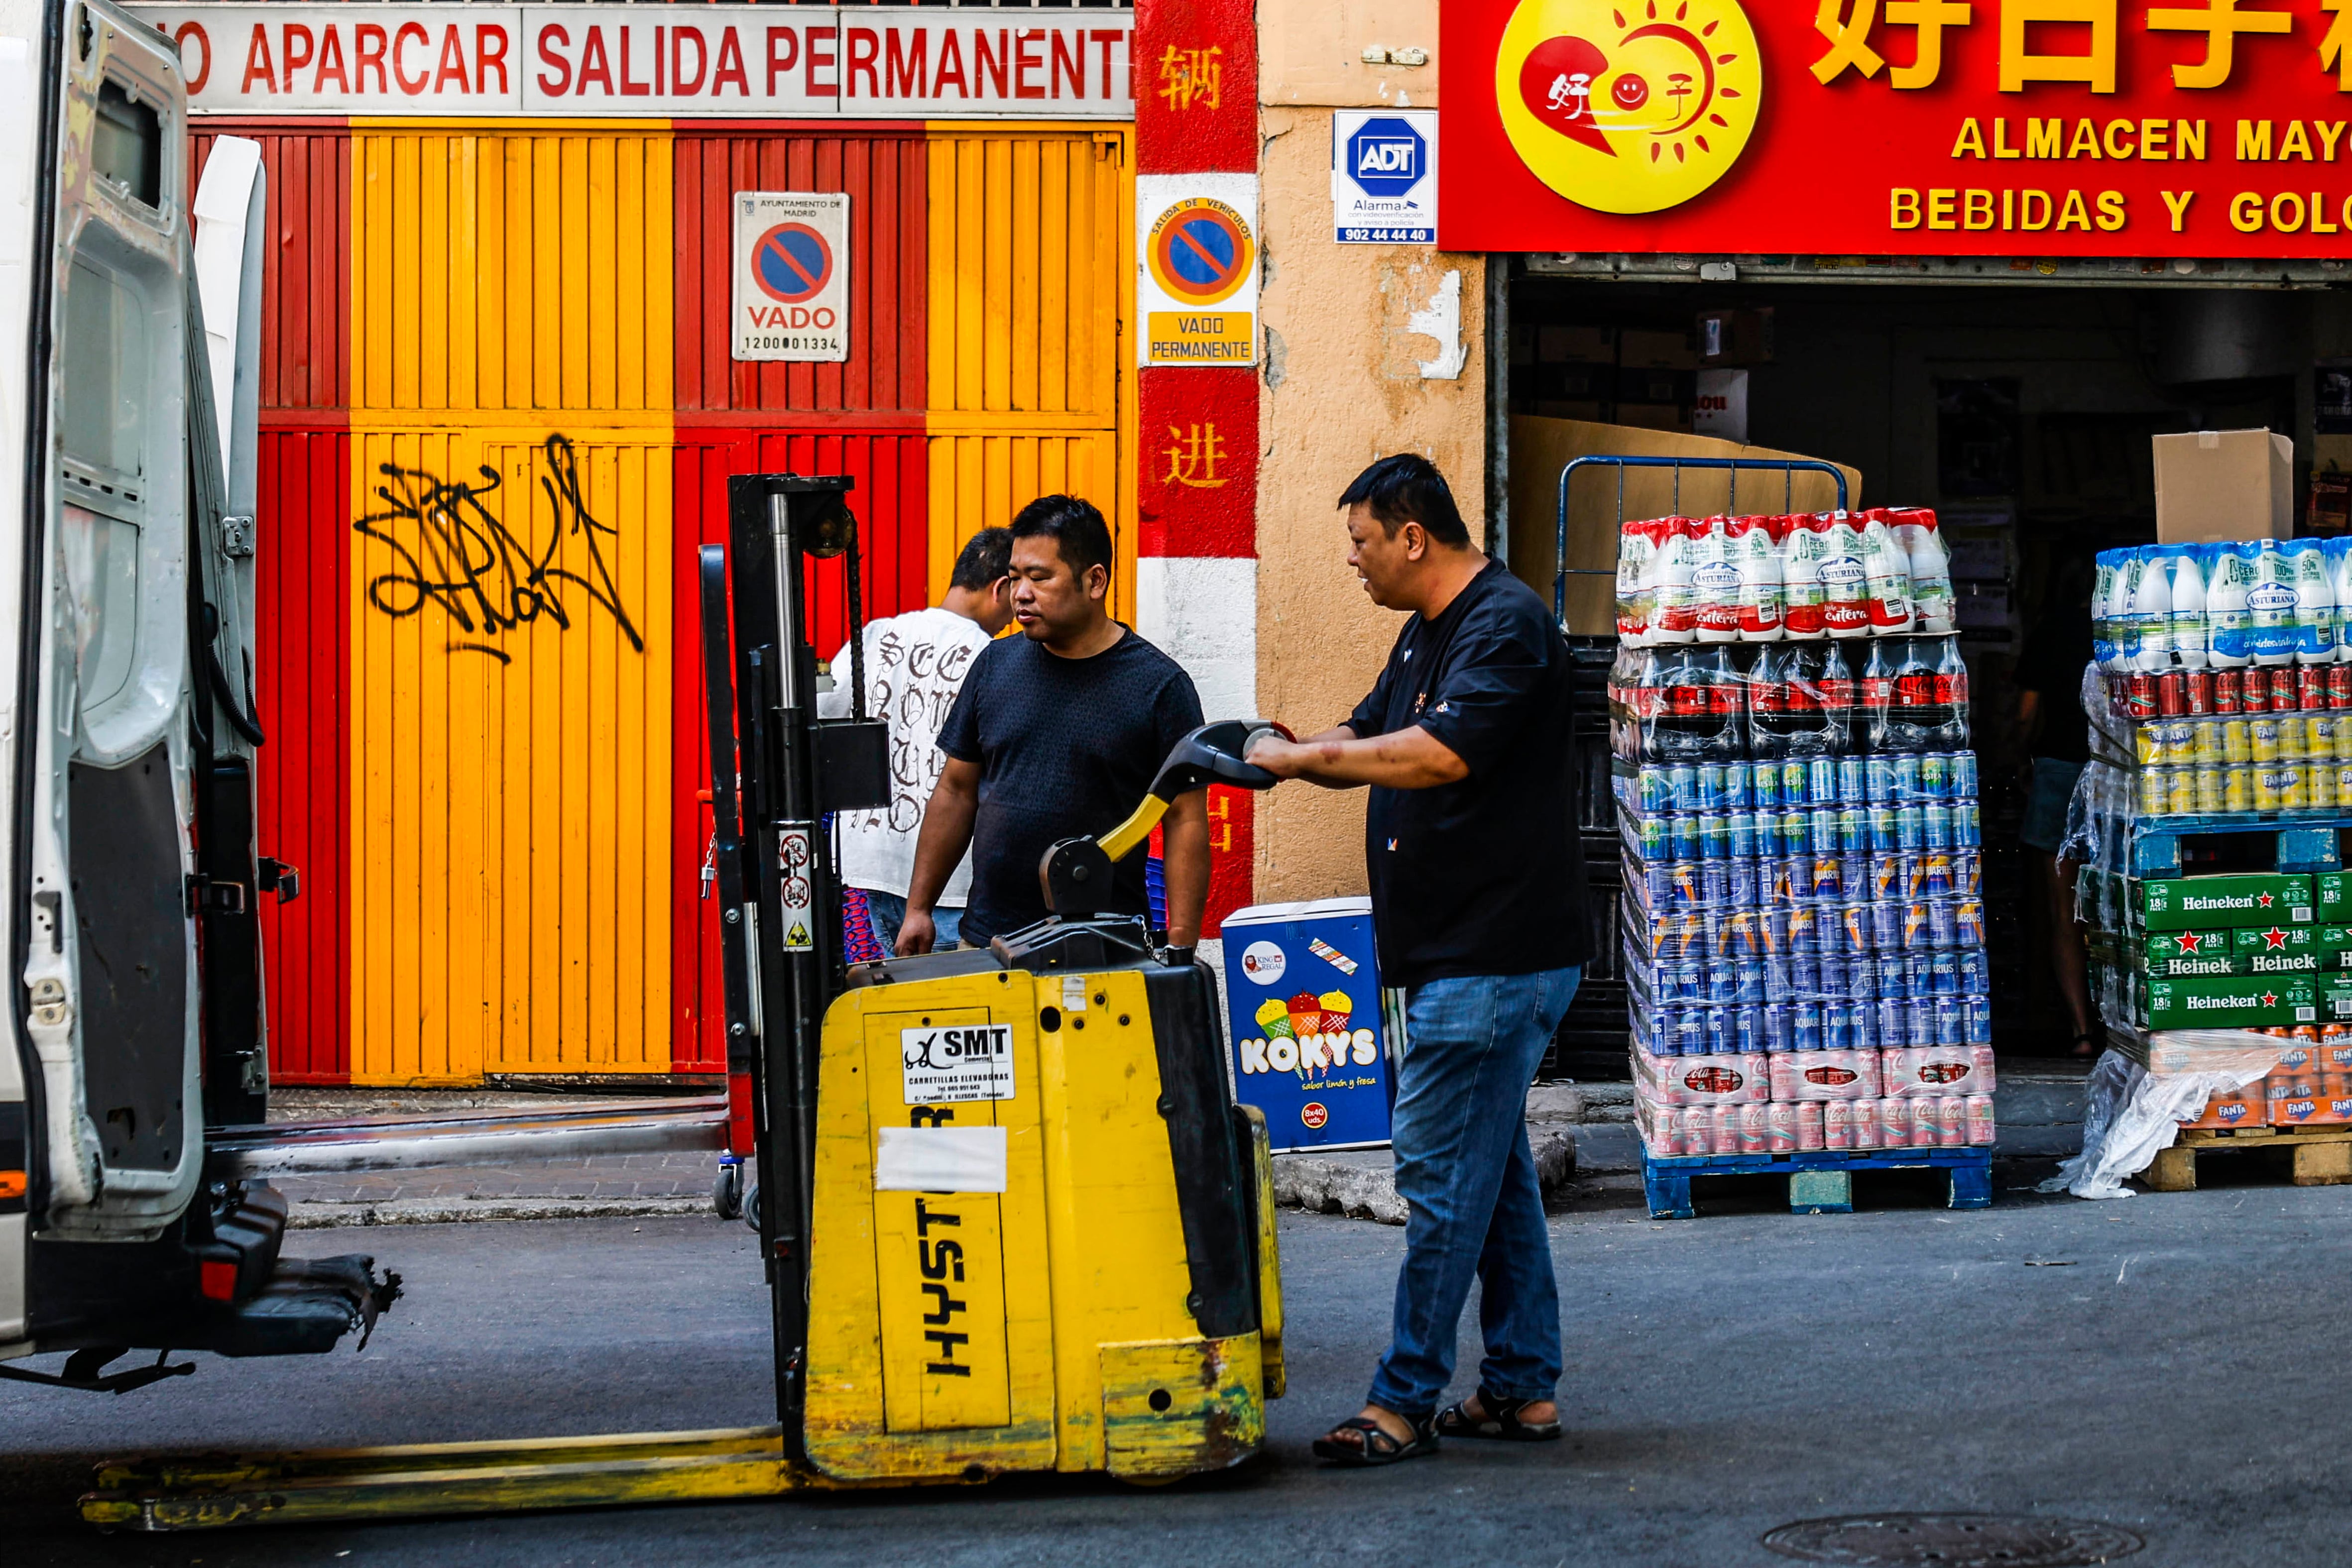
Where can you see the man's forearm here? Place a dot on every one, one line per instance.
(1184, 867)
(1409, 758)
(946, 834)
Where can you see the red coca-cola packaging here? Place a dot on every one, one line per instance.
(1809, 1126)
(1951, 1121)
(1780, 1127)
(1894, 1123)
(1933, 1070)
(1754, 1118)
(1728, 1120)
(1867, 1133)
(1837, 1124)
(1981, 1123)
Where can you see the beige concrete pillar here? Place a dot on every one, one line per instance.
(1345, 384)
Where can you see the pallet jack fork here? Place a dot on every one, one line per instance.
(1012, 1220)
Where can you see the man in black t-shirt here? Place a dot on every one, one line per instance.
(1058, 732)
(1478, 910)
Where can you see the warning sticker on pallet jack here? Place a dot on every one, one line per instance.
(794, 891)
(971, 1061)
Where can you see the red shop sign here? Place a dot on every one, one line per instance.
(2123, 128)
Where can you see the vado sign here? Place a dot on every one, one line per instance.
(791, 276)
(701, 61)
(2127, 128)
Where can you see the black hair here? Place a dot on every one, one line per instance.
(987, 557)
(1408, 488)
(1076, 528)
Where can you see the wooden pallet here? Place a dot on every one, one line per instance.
(2321, 1155)
(1819, 1182)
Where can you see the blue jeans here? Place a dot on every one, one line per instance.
(888, 912)
(1466, 1172)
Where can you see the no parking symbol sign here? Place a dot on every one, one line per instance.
(791, 276)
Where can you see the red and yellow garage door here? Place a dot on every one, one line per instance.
(499, 414)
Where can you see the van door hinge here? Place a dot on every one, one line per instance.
(237, 538)
(206, 896)
(280, 878)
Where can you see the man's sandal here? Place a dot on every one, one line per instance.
(1500, 1422)
(1379, 1445)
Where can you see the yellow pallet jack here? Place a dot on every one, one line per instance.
(1013, 1220)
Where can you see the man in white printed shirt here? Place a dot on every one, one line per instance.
(915, 665)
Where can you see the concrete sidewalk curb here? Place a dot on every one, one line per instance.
(1361, 1182)
(436, 1211)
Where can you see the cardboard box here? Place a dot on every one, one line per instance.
(1641, 351)
(2278, 963)
(2333, 894)
(1576, 345)
(1541, 446)
(2336, 999)
(1670, 416)
(2216, 485)
(2198, 903)
(1734, 337)
(2249, 1001)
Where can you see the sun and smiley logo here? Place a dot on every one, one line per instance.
(1629, 106)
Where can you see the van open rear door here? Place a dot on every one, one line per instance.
(135, 1002)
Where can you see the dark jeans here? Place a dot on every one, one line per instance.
(888, 912)
(1465, 1170)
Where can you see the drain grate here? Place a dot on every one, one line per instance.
(1953, 1540)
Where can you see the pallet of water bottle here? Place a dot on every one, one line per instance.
(1818, 1182)
(2169, 845)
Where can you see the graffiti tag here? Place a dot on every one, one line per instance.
(455, 552)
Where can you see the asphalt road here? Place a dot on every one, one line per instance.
(2167, 1368)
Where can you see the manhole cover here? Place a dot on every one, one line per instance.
(1953, 1540)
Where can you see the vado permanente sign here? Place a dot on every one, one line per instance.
(2127, 128)
(773, 61)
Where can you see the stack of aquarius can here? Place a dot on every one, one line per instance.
(1810, 929)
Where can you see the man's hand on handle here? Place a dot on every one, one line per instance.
(916, 933)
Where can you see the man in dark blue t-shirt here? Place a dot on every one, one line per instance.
(1058, 732)
(1478, 910)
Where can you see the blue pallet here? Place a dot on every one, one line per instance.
(1818, 1182)
(2307, 843)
